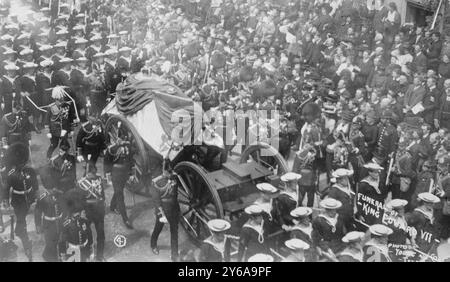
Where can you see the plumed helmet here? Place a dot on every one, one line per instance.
(58, 92)
(17, 154)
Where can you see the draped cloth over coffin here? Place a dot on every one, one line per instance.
(149, 104)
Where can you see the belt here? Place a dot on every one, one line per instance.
(90, 143)
(49, 218)
(21, 192)
(78, 246)
(94, 201)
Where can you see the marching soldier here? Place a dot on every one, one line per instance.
(63, 168)
(304, 164)
(376, 249)
(94, 196)
(95, 47)
(46, 53)
(90, 141)
(76, 238)
(216, 248)
(61, 77)
(353, 251)
(48, 220)
(21, 188)
(9, 88)
(252, 238)
(118, 168)
(80, 49)
(30, 96)
(9, 59)
(167, 209)
(15, 127)
(328, 230)
(60, 53)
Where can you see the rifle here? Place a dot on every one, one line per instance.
(391, 165)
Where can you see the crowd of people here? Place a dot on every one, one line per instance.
(364, 99)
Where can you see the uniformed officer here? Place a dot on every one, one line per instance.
(353, 251)
(63, 168)
(252, 235)
(328, 230)
(90, 141)
(376, 249)
(15, 127)
(59, 119)
(297, 249)
(167, 209)
(9, 88)
(48, 220)
(21, 188)
(217, 247)
(76, 238)
(30, 97)
(94, 195)
(118, 167)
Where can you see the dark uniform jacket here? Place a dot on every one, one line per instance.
(43, 85)
(426, 227)
(48, 210)
(63, 171)
(22, 185)
(9, 88)
(90, 140)
(15, 128)
(76, 234)
(211, 252)
(327, 235)
(251, 242)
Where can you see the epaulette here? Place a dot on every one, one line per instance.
(43, 195)
(67, 222)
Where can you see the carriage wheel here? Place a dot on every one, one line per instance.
(199, 201)
(119, 127)
(267, 156)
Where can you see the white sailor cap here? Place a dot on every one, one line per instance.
(81, 41)
(66, 60)
(45, 9)
(111, 51)
(96, 38)
(82, 59)
(330, 204)
(353, 236)
(26, 51)
(396, 204)
(61, 44)
(113, 36)
(428, 198)
(80, 16)
(7, 37)
(12, 26)
(24, 36)
(123, 32)
(261, 258)
(46, 63)
(342, 172)
(29, 65)
(380, 230)
(96, 23)
(266, 188)
(301, 212)
(290, 176)
(99, 55)
(62, 32)
(11, 67)
(296, 244)
(78, 27)
(63, 17)
(218, 225)
(45, 48)
(125, 49)
(373, 166)
(253, 210)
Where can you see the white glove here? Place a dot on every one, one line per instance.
(80, 159)
(63, 133)
(49, 135)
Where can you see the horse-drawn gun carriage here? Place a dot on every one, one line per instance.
(157, 120)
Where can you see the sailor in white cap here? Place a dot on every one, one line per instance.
(23, 42)
(376, 249)
(113, 42)
(302, 229)
(353, 251)
(288, 199)
(371, 187)
(328, 229)
(95, 47)
(297, 249)
(423, 220)
(261, 258)
(394, 218)
(43, 81)
(46, 52)
(60, 49)
(216, 248)
(26, 56)
(61, 77)
(342, 192)
(267, 193)
(9, 57)
(252, 237)
(9, 86)
(80, 48)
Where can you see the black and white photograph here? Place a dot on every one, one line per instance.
(226, 131)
